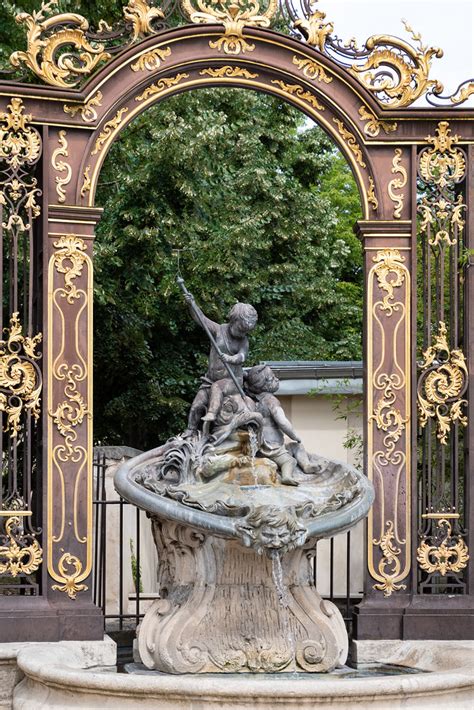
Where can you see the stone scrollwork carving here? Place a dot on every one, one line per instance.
(443, 381)
(20, 552)
(200, 578)
(235, 15)
(20, 377)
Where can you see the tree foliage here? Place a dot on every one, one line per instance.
(262, 207)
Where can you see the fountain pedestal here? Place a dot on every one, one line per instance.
(221, 610)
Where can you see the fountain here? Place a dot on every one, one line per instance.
(236, 510)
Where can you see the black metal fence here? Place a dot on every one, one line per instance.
(118, 525)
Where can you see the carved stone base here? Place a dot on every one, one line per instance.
(220, 610)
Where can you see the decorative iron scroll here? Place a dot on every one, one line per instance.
(70, 427)
(395, 72)
(373, 126)
(88, 110)
(62, 49)
(397, 184)
(20, 377)
(443, 552)
(61, 166)
(388, 444)
(20, 552)
(443, 374)
(235, 15)
(442, 383)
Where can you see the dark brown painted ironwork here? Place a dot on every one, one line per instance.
(392, 607)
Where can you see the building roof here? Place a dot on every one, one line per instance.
(317, 376)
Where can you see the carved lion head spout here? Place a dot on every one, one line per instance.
(269, 529)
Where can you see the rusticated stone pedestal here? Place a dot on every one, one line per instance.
(220, 610)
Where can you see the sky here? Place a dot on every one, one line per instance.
(448, 24)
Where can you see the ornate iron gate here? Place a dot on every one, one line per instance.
(413, 168)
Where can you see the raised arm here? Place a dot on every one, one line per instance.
(198, 316)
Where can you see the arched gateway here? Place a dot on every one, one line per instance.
(419, 342)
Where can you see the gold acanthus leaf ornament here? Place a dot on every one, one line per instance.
(312, 69)
(161, 85)
(107, 130)
(449, 555)
(299, 91)
(71, 580)
(397, 184)
(61, 166)
(395, 72)
(314, 29)
(69, 259)
(374, 125)
(20, 144)
(235, 15)
(442, 164)
(141, 16)
(20, 553)
(87, 110)
(389, 261)
(60, 57)
(442, 382)
(151, 60)
(351, 141)
(20, 377)
(228, 71)
(371, 197)
(390, 558)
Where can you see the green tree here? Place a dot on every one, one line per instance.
(262, 206)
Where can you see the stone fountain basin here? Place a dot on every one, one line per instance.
(315, 489)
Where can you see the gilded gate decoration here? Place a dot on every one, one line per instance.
(70, 401)
(411, 165)
(389, 407)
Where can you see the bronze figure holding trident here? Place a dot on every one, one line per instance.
(229, 349)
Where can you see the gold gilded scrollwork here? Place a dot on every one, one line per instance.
(228, 71)
(442, 383)
(395, 72)
(20, 552)
(20, 144)
(390, 557)
(141, 16)
(312, 69)
(20, 377)
(314, 29)
(69, 406)
(161, 85)
(235, 15)
(61, 166)
(389, 421)
(71, 584)
(448, 554)
(151, 60)
(371, 197)
(373, 126)
(298, 90)
(87, 110)
(445, 217)
(107, 130)
(397, 183)
(351, 141)
(49, 54)
(87, 182)
(442, 164)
